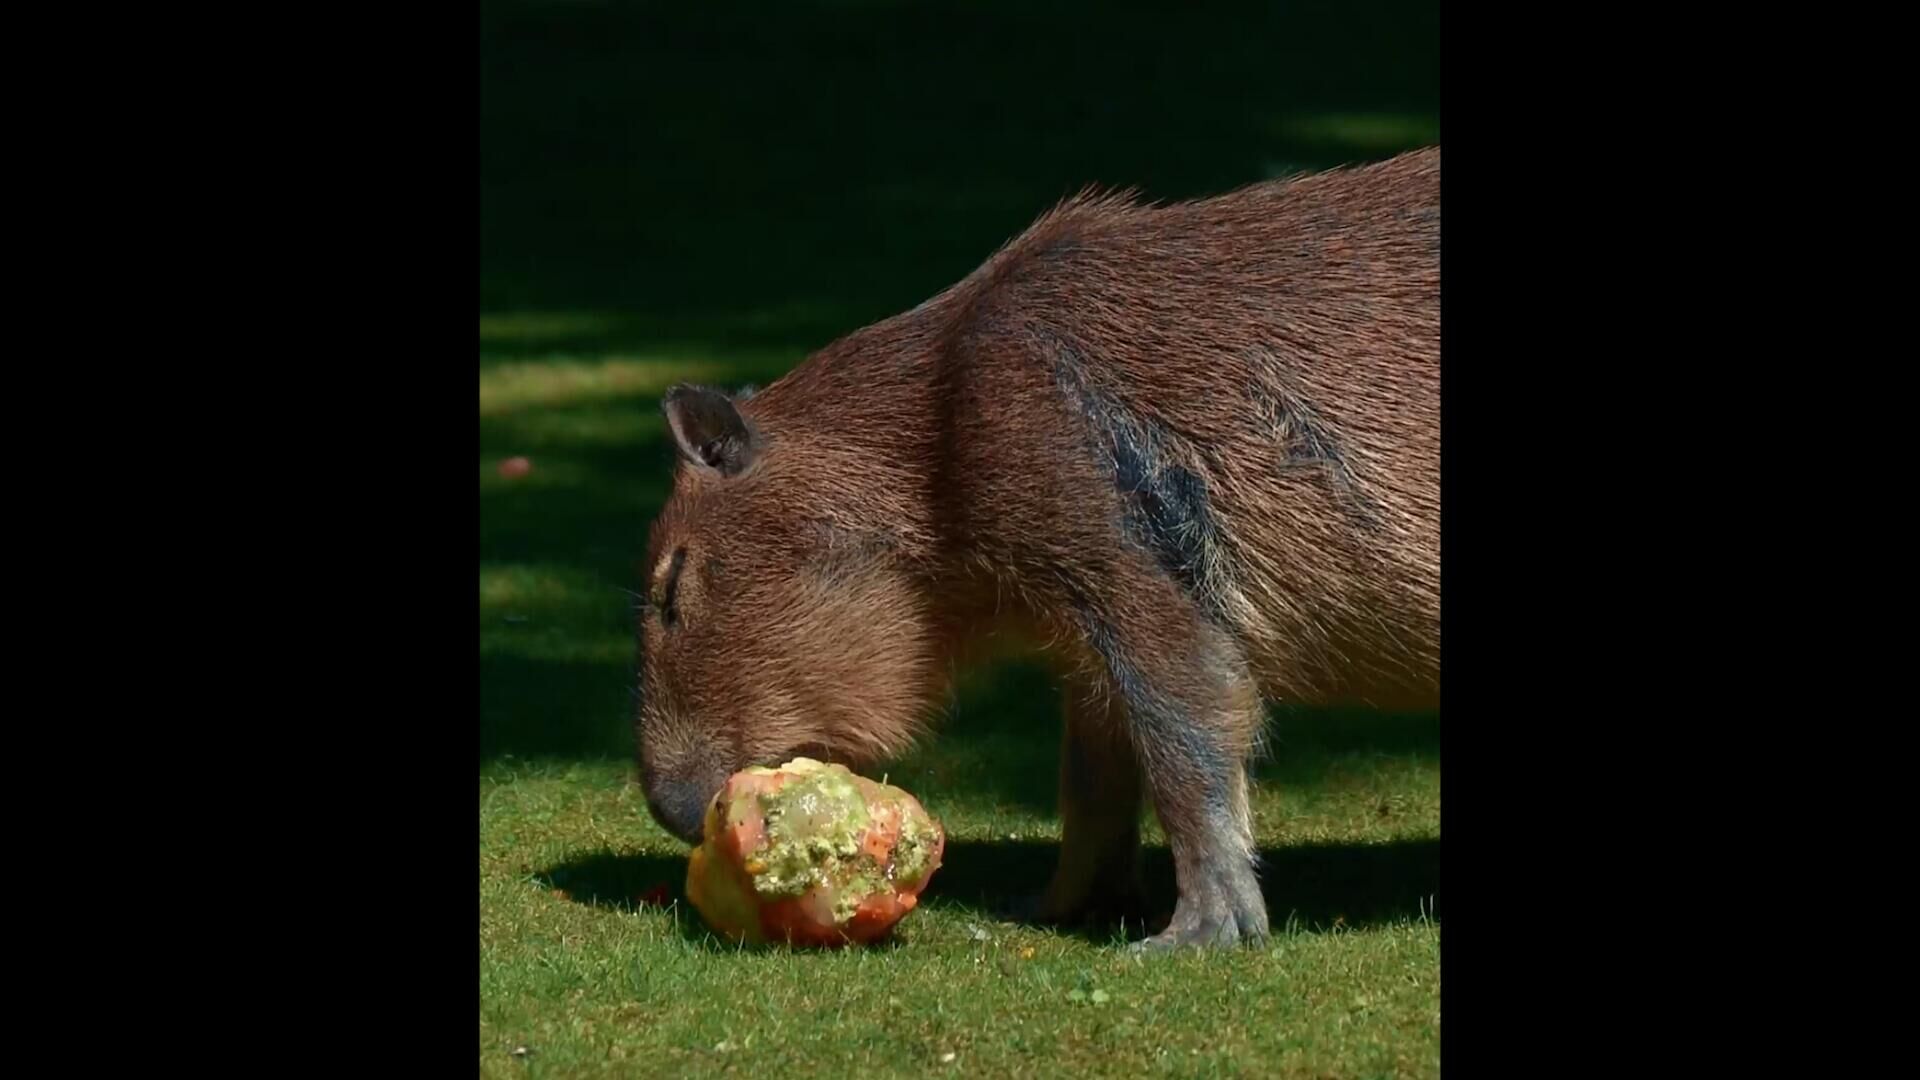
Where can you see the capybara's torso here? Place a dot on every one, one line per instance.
(1247, 386)
(1193, 448)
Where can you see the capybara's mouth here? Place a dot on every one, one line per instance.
(680, 810)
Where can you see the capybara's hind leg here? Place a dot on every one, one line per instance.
(1192, 711)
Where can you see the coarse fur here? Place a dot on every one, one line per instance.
(1192, 450)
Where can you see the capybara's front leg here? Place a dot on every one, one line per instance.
(1098, 876)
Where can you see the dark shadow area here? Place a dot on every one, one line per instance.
(598, 522)
(1001, 741)
(553, 709)
(1316, 886)
(1313, 887)
(1303, 742)
(780, 174)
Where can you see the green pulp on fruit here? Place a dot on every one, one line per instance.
(813, 823)
(815, 828)
(910, 855)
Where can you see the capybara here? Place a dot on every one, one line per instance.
(1191, 451)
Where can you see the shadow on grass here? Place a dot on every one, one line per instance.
(1312, 887)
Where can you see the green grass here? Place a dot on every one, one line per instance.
(686, 193)
(589, 981)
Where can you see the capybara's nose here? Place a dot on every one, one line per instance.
(679, 807)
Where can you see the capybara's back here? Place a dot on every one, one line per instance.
(1196, 447)
(1259, 374)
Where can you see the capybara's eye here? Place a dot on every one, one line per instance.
(670, 588)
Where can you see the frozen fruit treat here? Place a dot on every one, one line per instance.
(811, 854)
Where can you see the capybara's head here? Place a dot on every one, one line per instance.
(780, 617)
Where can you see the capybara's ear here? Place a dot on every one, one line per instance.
(708, 430)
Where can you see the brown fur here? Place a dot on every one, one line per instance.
(1192, 449)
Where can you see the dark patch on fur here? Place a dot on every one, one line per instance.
(1165, 505)
(1305, 441)
(1310, 444)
